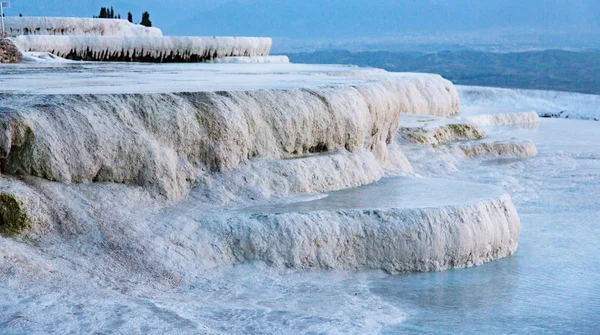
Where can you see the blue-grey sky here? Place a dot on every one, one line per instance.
(320, 19)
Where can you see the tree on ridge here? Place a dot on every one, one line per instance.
(146, 20)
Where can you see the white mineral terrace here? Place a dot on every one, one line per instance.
(153, 49)
(149, 178)
(231, 198)
(487, 100)
(241, 134)
(75, 26)
(440, 228)
(398, 224)
(108, 78)
(119, 40)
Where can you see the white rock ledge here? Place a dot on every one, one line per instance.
(154, 49)
(503, 119)
(165, 141)
(398, 224)
(215, 138)
(31, 25)
(252, 60)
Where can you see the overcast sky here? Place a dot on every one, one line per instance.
(320, 19)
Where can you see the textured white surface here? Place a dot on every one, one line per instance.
(166, 141)
(252, 60)
(145, 48)
(42, 57)
(421, 91)
(545, 103)
(115, 78)
(308, 174)
(117, 270)
(465, 134)
(503, 119)
(437, 229)
(75, 26)
(395, 224)
(172, 183)
(117, 260)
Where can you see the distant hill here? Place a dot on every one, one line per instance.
(547, 70)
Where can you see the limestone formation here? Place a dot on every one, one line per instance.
(31, 25)
(153, 49)
(160, 173)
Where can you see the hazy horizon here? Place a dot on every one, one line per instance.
(348, 20)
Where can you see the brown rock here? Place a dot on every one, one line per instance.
(9, 52)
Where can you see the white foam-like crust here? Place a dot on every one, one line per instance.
(395, 229)
(418, 93)
(503, 119)
(263, 179)
(546, 103)
(42, 57)
(119, 78)
(114, 246)
(75, 26)
(512, 148)
(167, 141)
(392, 225)
(425, 92)
(156, 49)
(113, 272)
(119, 245)
(252, 60)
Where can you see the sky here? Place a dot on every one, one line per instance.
(337, 19)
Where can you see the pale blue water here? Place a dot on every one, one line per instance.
(393, 192)
(552, 283)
